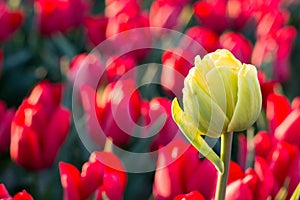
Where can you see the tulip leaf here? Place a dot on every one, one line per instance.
(193, 134)
(296, 194)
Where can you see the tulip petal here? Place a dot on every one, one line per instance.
(222, 83)
(193, 134)
(249, 100)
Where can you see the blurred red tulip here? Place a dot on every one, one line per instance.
(96, 29)
(60, 15)
(283, 120)
(10, 20)
(282, 158)
(120, 67)
(39, 127)
(267, 87)
(275, 49)
(88, 69)
(137, 41)
(211, 14)
(206, 37)
(159, 110)
(166, 13)
(254, 184)
(195, 195)
(95, 178)
(6, 116)
(176, 65)
(278, 108)
(180, 170)
(119, 7)
(18, 196)
(119, 110)
(240, 46)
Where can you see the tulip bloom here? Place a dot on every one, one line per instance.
(283, 119)
(220, 95)
(204, 36)
(59, 16)
(240, 46)
(95, 178)
(10, 21)
(96, 29)
(166, 13)
(19, 196)
(156, 111)
(6, 116)
(39, 127)
(255, 183)
(195, 195)
(174, 177)
(282, 158)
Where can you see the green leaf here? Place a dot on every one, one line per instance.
(193, 134)
(296, 194)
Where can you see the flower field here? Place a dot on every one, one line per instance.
(161, 99)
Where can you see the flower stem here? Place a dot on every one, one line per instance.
(226, 143)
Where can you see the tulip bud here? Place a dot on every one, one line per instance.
(220, 95)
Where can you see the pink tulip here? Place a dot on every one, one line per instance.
(39, 127)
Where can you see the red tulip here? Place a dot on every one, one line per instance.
(39, 127)
(255, 183)
(195, 195)
(274, 49)
(166, 13)
(118, 110)
(96, 177)
(119, 7)
(282, 159)
(159, 111)
(278, 108)
(179, 174)
(117, 66)
(206, 37)
(6, 116)
(19, 196)
(176, 65)
(96, 29)
(10, 21)
(212, 14)
(88, 69)
(137, 41)
(267, 87)
(240, 46)
(59, 15)
(284, 122)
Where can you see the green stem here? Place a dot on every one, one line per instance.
(226, 143)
